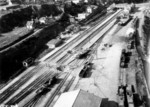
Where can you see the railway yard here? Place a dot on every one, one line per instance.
(102, 60)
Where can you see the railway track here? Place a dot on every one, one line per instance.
(84, 42)
(17, 98)
(81, 40)
(83, 35)
(31, 73)
(66, 46)
(35, 99)
(64, 58)
(14, 87)
(24, 39)
(56, 92)
(10, 79)
(13, 94)
(97, 16)
(69, 84)
(93, 47)
(33, 86)
(32, 102)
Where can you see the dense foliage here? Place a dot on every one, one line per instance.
(20, 17)
(129, 1)
(74, 9)
(15, 18)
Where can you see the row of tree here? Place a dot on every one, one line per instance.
(129, 1)
(20, 17)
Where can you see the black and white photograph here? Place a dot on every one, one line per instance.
(74, 53)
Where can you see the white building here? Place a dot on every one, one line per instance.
(78, 98)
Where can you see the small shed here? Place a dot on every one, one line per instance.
(81, 16)
(54, 43)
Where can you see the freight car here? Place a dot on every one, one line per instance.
(28, 62)
(124, 20)
(55, 43)
(84, 54)
(85, 71)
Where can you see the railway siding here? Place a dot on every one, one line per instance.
(74, 43)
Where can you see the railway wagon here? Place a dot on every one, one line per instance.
(124, 20)
(84, 54)
(29, 61)
(55, 43)
(85, 71)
